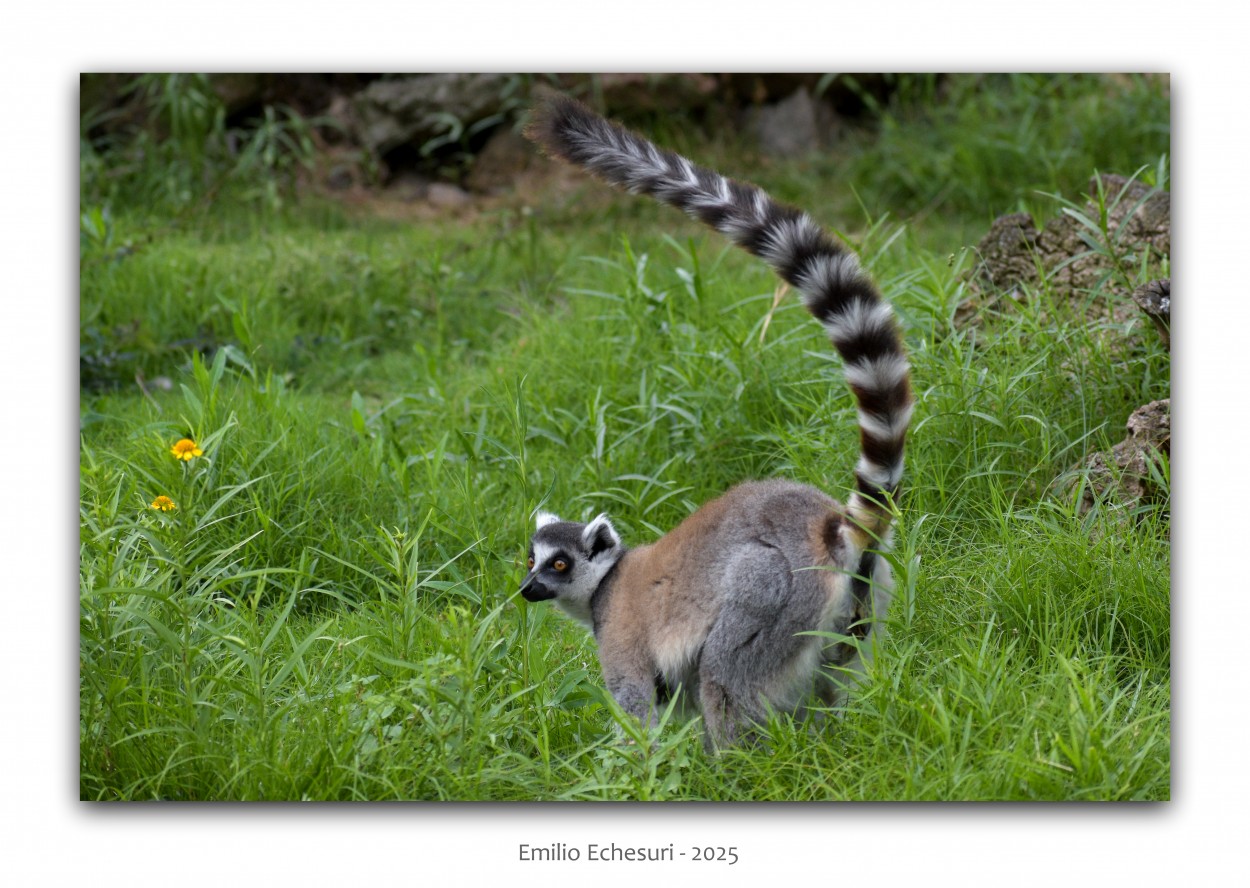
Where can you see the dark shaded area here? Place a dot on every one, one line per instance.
(435, 123)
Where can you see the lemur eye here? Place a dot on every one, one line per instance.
(530, 563)
(560, 564)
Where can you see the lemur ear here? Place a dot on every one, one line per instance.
(600, 535)
(542, 519)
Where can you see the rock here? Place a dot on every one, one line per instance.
(1123, 476)
(1138, 219)
(793, 127)
(417, 109)
(340, 177)
(1007, 249)
(761, 89)
(341, 168)
(245, 95)
(497, 166)
(1146, 211)
(1155, 299)
(410, 187)
(1011, 253)
(846, 94)
(340, 114)
(1006, 253)
(1153, 424)
(237, 91)
(632, 94)
(442, 194)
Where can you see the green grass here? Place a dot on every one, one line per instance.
(330, 613)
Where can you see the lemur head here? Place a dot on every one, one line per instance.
(568, 561)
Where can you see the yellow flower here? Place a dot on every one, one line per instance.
(164, 503)
(186, 449)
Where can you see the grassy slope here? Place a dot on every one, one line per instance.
(330, 613)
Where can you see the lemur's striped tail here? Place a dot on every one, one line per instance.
(834, 288)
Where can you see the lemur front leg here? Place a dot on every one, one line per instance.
(633, 688)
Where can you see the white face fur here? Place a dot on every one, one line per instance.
(569, 562)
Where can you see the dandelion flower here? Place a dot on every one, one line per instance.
(186, 449)
(164, 504)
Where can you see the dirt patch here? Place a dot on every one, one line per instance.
(1129, 474)
(1078, 255)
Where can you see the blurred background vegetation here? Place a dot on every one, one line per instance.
(945, 154)
(967, 144)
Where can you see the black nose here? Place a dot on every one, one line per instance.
(532, 589)
(537, 593)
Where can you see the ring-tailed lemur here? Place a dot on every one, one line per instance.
(724, 604)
